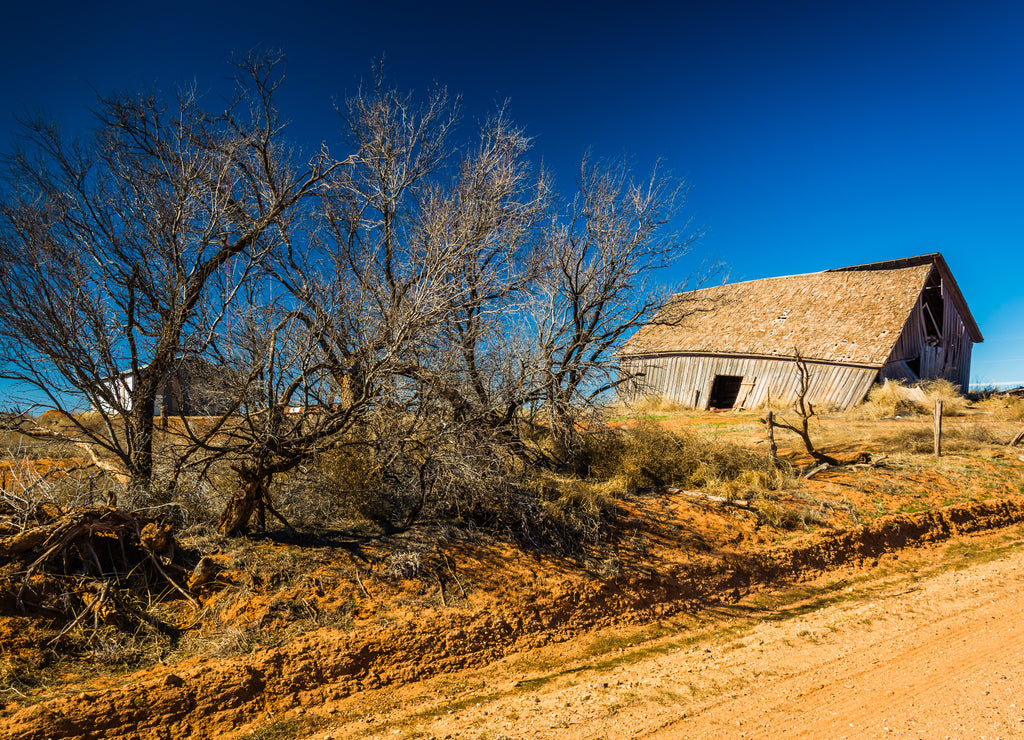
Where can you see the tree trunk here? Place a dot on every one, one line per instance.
(250, 494)
(821, 457)
(563, 428)
(252, 497)
(140, 443)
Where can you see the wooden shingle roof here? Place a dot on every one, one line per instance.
(852, 316)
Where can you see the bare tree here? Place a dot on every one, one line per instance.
(109, 246)
(357, 332)
(548, 297)
(593, 288)
(413, 301)
(408, 298)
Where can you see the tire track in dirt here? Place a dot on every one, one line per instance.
(942, 660)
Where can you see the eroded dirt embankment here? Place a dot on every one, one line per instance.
(212, 697)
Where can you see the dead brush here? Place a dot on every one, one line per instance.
(404, 564)
(649, 456)
(349, 480)
(953, 402)
(769, 512)
(892, 398)
(829, 507)
(752, 483)
(773, 512)
(23, 672)
(577, 508)
(100, 574)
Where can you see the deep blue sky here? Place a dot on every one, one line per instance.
(812, 134)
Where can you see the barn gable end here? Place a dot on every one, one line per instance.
(734, 345)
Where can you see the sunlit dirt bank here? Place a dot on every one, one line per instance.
(691, 616)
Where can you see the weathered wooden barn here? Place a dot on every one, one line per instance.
(735, 345)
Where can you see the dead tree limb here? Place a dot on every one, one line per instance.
(76, 532)
(805, 410)
(360, 582)
(815, 470)
(738, 502)
(440, 588)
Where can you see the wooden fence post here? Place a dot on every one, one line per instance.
(938, 428)
(773, 450)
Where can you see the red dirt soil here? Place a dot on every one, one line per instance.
(214, 697)
(479, 612)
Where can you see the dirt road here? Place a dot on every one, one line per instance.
(945, 659)
(911, 648)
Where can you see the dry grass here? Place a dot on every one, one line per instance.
(921, 440)
(577, 509)
(646, 406)
(648, 455)
(774, 513)
(895, 398)
(615, 464)
(1002, 407)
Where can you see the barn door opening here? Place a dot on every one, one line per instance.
(724, 390)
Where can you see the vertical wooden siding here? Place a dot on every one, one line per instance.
(949, 358)
(687, 379)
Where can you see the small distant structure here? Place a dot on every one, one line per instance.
(736, 345)
(194, 387)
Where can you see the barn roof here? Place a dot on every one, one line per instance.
(852, 315)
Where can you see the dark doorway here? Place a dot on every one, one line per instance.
(724, 390)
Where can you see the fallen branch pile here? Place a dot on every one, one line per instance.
(86, 566)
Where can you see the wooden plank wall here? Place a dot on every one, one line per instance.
(686, 379)
(957, 341)
(950, 358)
(912, 338)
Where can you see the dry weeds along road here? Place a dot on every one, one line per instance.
(930, 647)
(406, 674)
